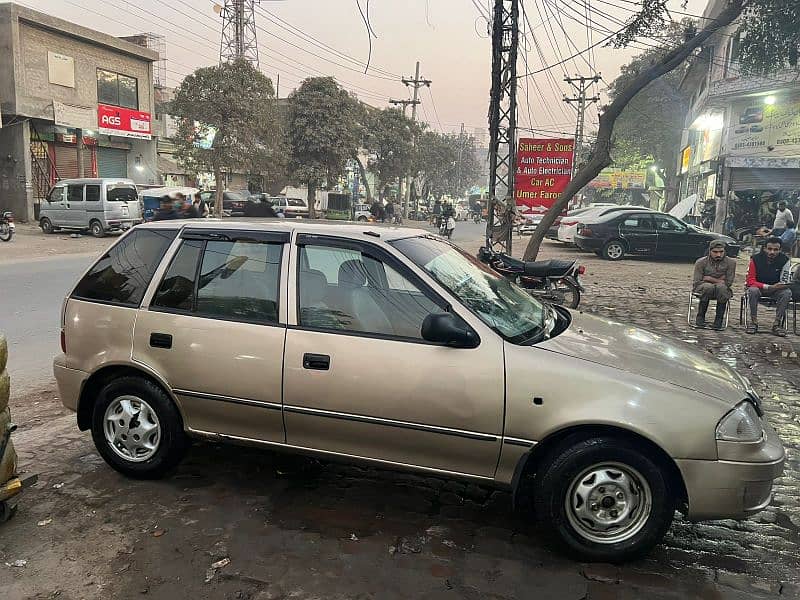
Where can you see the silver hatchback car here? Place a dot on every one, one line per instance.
(600, 429)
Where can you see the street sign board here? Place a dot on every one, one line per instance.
(544, 169)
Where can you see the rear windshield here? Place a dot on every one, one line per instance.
(121, 192)
(295, 202)
(123, 273)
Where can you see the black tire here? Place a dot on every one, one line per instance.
(362, 219)
(6, 233)
(572, 294)
(613, 250)
(567, 462)
(172, 444)
(47, 226)
(96, 229)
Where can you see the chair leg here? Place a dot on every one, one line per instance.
(689, 310)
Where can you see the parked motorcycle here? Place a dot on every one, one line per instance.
(554, 281)
(7, 227)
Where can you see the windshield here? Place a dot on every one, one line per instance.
(295, 202)
(503, 306)
(121, 193)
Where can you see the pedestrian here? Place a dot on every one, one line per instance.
(376, 210)
(782, 217)
(437, 213)
(200, 205)
(389, 210)
(450, 226)
(789, 237)
(764, 279)
(166, 210)
(713, 278)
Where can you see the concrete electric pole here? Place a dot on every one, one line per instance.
(502, 124)
(416, 83)
(238, 31)
(581, 102)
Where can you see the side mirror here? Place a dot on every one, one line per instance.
(446, 328)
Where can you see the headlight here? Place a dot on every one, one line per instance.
(742, 424)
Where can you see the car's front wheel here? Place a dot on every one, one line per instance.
(137, 428)
(604, 498)
(613, 250)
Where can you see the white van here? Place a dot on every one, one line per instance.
(97, 205)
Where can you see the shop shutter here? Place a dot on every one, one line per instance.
(66, 162)
(112, 162)
(765, 179)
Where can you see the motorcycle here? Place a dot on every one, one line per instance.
(7, 227)
(554, 281)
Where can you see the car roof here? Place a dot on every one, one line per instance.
(347, 229)
(83, 180)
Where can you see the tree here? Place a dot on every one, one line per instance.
(390, 141)
(323, 131)
(649, 127)
(446, 164)
(769, 28)
(235, 104)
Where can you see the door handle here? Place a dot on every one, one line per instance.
(316, 362)
(161, 340)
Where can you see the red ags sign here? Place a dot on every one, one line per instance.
(123, 122)
(544, 168)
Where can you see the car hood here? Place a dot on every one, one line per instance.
(644, 353)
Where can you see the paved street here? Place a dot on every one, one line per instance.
(295, 527)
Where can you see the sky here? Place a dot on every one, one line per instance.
(302, 38)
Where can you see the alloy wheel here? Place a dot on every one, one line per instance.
(132, 428)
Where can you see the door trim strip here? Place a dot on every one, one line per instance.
(472, 435)
(518, 442)
(231, 399)
(329, 453)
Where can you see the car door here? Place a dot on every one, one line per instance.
(56, 206)
(639, 233)
(75, 214)
(673, 237)
(359, 380)
(212, 328)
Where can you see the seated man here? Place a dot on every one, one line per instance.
(713, 278)
(764, 279)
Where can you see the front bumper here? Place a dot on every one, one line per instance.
(733, 489)
(70, 382)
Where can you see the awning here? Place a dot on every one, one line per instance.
(169, 166)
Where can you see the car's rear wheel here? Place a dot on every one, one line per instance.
(362, 219)
(96, 229)
(137, 428)
(604, 498)
(613, 250)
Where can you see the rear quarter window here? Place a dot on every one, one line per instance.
(122, 274)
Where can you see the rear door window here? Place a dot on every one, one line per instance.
(122, 275)
(92, 193)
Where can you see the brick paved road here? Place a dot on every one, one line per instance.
(304, 529)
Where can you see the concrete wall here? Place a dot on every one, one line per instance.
(15, 171)
(35, 93)
(8, 28)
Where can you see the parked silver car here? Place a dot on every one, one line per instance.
(97, 205)
(599, 429)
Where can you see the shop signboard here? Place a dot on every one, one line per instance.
(686, 159)
(618, 179)
(758, 128)
(123, 122)
(544, 169)
(73, 116)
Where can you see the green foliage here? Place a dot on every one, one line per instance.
(770, 35)
(389, 140)
(446, 164)
(650, 126)
(239, 103)
(324, 130)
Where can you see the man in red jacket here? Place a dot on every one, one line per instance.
(764, 279)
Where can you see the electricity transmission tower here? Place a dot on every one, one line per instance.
(238, 31)
(502, 124)
(581, 102)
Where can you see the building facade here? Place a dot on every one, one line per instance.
(74, 103)
(741, 143)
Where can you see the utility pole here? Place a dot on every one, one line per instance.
(416, 83)
(238, 31)
(502, 124)
(581, 103)
(405, 103)
(460, 156)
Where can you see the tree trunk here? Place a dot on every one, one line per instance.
(363, 174)
(219, 184)
(601, 157)
(311, 199)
